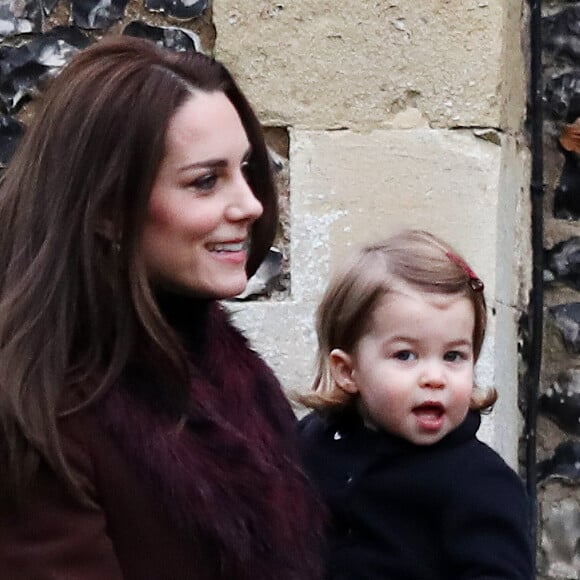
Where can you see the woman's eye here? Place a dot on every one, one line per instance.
(205, 182)
(245, 167)
(405, 355)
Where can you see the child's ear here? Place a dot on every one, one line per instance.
(341, 368)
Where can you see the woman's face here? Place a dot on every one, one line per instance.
(201, 209)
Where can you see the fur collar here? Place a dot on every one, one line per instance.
(227, 472)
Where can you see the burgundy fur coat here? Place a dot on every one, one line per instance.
(216, 495)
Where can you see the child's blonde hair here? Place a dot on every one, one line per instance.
(415, 257)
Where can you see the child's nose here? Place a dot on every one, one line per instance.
(432, 375)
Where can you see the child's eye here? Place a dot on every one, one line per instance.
(405, 355)
(205, 182)
(454, 356)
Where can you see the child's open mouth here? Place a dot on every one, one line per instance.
(430, 415)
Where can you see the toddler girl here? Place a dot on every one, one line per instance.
(413, 494)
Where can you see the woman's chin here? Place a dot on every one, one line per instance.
(227, 289)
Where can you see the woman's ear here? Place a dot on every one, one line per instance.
(341, 369)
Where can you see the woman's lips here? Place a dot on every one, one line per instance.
(231, 252)
(232, 246)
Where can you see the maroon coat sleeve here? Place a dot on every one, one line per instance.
(54, 536)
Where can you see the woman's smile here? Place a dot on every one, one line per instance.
(235, 252)
(196, 237)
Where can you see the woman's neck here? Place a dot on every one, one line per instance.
(187, 315)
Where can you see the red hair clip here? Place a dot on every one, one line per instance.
(474, 280)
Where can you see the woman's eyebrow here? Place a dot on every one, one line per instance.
(213, 162)
(204, 163)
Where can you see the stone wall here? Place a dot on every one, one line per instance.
(381, 114)
(559, 423)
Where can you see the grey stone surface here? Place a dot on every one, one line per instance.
(20, 17)
(563, 465)
(567, 320)
(24, 66)
(563, 261)
(171, 37)
(265, 278)
(561, 401)
(368, 64)
(97, 14)
(183, 9)
(560, 538)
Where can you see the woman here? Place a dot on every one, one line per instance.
(140, 437)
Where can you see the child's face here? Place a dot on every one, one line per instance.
(413, 369)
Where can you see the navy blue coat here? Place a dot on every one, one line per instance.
(449, 511)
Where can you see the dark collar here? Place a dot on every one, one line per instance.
(188, 316)
(347, 423)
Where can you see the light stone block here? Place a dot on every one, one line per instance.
(352, 64)
(351, 188)
(284, 334)
(513, 86)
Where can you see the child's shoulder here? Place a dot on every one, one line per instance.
(465, 457)
(328, 421)
(311, 424)
(487, 472)
(479, 455)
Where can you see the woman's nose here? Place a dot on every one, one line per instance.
(244, 205)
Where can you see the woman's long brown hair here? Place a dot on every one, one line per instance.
(74, 304)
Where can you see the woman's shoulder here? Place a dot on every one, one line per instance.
(80, 436)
